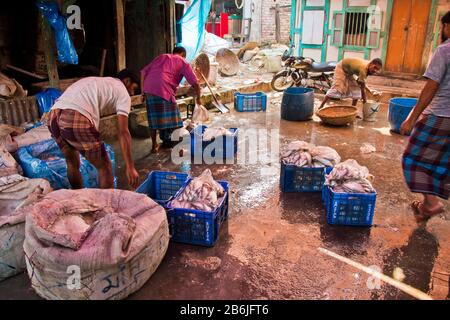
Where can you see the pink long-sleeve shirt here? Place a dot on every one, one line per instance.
(164, 74)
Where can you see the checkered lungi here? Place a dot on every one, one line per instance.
(344, 86)
(163, 114)
(71, 129)
(426, 161)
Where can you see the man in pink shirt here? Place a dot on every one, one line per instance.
(160, 80)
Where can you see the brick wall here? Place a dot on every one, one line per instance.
(268, 30)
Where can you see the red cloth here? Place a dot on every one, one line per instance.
(163, 76)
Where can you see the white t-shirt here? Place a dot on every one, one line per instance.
(95, 97)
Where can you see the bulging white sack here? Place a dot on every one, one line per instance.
(94, 244)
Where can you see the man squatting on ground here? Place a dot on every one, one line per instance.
(74, 123)
(350, 80)
(426, 161)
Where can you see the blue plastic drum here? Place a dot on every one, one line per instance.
(399, 110)
(298, 104)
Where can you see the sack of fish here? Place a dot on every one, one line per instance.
(349, 196)
(198, 210)
(304, 166)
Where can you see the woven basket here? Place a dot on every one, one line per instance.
(339, 115)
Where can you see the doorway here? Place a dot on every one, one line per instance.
(407, 36)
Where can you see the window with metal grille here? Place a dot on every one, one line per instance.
(356, 29)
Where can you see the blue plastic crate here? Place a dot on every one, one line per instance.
(161, 186)
(250, 102)
(349, 209)
(197, 227)
(226, 150)
(299, 180)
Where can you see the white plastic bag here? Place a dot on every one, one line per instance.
(201, 114)
(8, 166)
(214, 43)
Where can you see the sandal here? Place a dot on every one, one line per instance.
(423, 215)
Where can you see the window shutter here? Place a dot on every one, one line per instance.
(338, 29)
(374, 30)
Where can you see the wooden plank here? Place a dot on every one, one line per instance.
(121, 49)
(50, 53)
(277, 23)
(102, 63)
(172, 25)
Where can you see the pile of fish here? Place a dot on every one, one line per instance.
(202, 193)
(213, 133)
(350, 177)
(304, 154)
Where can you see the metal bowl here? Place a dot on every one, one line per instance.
(228, 62)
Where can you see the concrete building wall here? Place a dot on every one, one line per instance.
(255, 26)
(334, 53)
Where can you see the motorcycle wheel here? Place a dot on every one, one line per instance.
(282, 82)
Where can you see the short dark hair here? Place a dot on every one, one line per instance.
(179, 50)
(446, 18)
(127, 73)
(377, 61)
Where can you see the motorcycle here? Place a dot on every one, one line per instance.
(304, 72)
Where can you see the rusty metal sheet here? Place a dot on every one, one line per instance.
(18, 111)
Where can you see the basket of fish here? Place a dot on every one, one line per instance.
(162, 186)
(349, 196)
(304, 167)
(198, 210)
(214, 143)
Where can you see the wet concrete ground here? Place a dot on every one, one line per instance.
(269, 247)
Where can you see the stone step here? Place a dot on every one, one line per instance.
(398, 84)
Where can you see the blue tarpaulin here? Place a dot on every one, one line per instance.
(192, 27)
(44, 160)
(66, 50)
(46, 99)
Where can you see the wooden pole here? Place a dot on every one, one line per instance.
(121, 49)
(102, 63)
(173, 25)
(213, 17)
(50, 50)
(378, 275)
(277, 23)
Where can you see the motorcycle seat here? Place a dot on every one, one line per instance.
(323, 67)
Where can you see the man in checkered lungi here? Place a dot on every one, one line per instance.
(160, 80)
(426, 161)
(74, 123)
